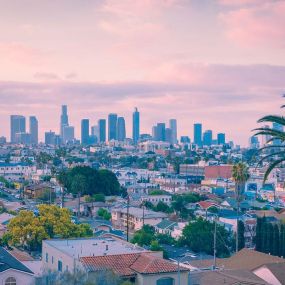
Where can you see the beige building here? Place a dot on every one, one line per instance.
(137, 217)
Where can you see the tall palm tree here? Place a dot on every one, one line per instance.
(274, 149)
(240, 175)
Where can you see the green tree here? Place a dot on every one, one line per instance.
(199, 237)
(240, 175)
(103, 213)
(144, 236)
(241, 240)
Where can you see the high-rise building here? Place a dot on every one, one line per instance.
(168, 135)
(68, 134)
(50, 138)
(17, 125)
(154, 133)
(207, 137)
(221, 138)
(102, 130)
(112, 127)
(136, 125)
(34, 130)
(185, 139)
(198, 134)
(254, 142)
(277, 127)
(160, 132)
(84, 131)
(121, 129)
(3, 140)
(23, 138)
(173, 127)
(63, 119)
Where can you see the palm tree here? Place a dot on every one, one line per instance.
(240, 175)
(274, 149)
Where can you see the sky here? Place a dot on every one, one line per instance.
(218, 62)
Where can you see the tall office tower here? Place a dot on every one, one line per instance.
(277, 127)
(154, 133)
(112, 127)
(173, 127)
(84, 131)
(63, 119)
(221, 138)
(207, 137)
(254, 142)
(68, 134)
(185, 139)
(17, 125)
(34, 130)
(50, 138)
(136, 126)
(121, 129)
(23, 138)
(102, 130)
(265, 138)
(198, 134)
(161, 132)
(95, 131)
(168, 135)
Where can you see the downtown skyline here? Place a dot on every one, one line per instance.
(219, 62)
(114, 128)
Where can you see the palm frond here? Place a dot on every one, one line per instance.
(270, 132)
(270, 155)
(271, 146)
(273, 119)
(271, 167)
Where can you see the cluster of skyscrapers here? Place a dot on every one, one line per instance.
(113, 129)
(18, 130)
(206, 138)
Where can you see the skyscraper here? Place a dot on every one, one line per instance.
(277, 127)
(136, 125)
(63, 119)
(112, 127)
(121, 129)
(154, 133)
(198, 134)
(207, 137)
(173, 127)
(168, 135)
(221, 138)
(68, 134)
(160, 132)
(102, 130)
(34, 130)
(84, 131)
(50, 138)
(17, 125)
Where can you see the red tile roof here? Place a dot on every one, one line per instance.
(130, 264)
(207, 204)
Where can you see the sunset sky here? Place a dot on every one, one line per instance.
(219, 62)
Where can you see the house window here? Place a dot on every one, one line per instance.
(10, 281)
(46, 257)
(165, 281)
(59, 266)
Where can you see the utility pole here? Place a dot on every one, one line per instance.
(143, 205)
(215, 245)
(128, 205)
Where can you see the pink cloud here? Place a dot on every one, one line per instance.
(259, 25)
(20, 54)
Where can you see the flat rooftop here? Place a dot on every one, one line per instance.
(93, 247)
